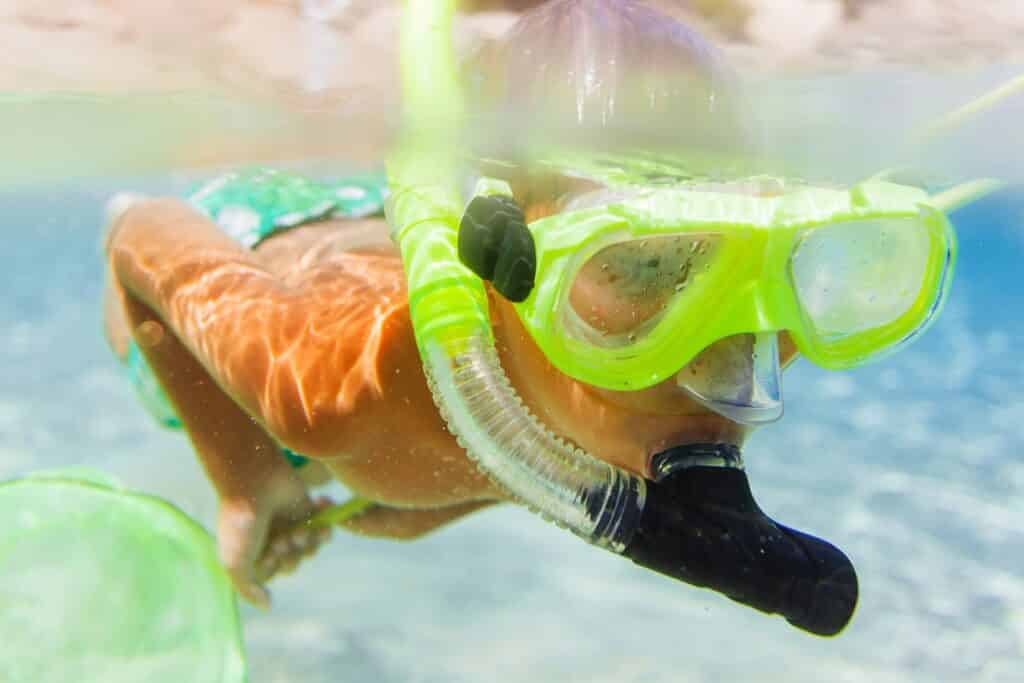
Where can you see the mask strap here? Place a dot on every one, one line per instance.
(971, 191)
(950, 121)
(965, 193)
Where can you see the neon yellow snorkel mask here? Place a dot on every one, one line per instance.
(633, 283)
(629, 292)
(786, 263)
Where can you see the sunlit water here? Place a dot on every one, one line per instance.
(914, 466)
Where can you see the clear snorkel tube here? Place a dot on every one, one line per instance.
(696, 523)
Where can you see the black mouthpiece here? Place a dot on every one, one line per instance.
(700, 525)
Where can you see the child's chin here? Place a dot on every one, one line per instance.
(702, 428)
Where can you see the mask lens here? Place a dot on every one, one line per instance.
(860, 275)
(620, 293)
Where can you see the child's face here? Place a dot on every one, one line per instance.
(624, 428)
(621, 291)
(617, 291)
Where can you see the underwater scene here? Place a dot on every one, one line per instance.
(911, 462)
(910, 458)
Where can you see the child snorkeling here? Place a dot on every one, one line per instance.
(636, 312)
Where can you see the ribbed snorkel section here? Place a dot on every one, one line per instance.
(448, 306)
(564, 484)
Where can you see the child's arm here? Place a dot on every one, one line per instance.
(245, 328)
(288, 345)
(115, 327)
(260, 497)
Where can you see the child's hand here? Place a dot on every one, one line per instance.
(262, 538)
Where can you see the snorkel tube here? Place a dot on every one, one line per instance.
(698, 522)
(448, 306)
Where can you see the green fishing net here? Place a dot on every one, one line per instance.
(98, 583)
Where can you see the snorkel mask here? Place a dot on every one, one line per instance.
(697, 520)
(634, 284)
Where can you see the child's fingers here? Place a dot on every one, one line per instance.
(241, 536)
(268, 565)
(289, 564)
(291, 543)
(254, 593)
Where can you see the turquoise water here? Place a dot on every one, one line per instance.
(914, 466)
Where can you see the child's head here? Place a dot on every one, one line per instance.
(608, 74)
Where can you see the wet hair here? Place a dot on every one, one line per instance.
(610, 74)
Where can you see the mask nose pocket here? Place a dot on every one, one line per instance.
(739, 378)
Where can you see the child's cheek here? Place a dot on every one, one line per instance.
(787, 350)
